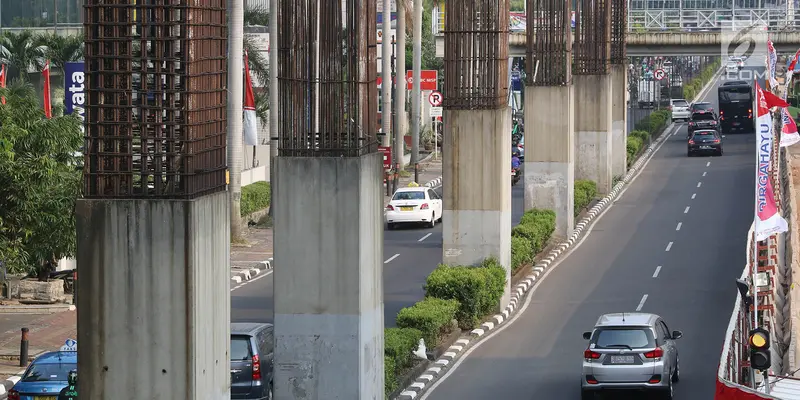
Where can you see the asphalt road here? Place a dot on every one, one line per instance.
(676, 236)
(411, 254)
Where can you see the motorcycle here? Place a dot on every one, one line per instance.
(516, 174)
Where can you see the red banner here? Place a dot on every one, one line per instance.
(730, 392)
(428, 78)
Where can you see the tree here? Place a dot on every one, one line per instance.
(429, 59)
(40, 180)
(62, 49)
(23, 51)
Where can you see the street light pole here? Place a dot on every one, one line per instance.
(415, 77)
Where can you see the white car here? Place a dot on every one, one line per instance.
(416, 204)
(679, 109)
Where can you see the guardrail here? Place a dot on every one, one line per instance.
(685, 20)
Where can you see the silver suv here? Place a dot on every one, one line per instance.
(630, 351)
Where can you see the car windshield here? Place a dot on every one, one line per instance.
(415, 195)
(240, 348)
(635, 338)
(48, 372)
(680, 103)
(703, 106)
(703, 117)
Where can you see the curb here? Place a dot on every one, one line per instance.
(36, 309)
(518, 292)
(252, 271)
(435, 182)
(9, 383)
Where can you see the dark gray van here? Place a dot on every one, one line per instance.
(251, 361)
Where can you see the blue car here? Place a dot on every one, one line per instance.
(45, 377)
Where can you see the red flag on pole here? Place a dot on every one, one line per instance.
(48, 110)
(250, 123)
(3, 81)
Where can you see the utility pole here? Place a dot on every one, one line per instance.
(235, 85)
(400, 85)
(386, 73)
(273, 99)
(415, 75)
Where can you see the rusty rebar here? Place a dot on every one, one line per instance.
(476, 54)
(327, 78)
(549, 47)
(592, 38)
(156, 98)
(619, 27)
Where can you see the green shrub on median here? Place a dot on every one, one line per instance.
(255, 197)
(399, 343)
(521, 252)
(633, 146)
(644, 136)
(389, 375)
(537, 226)
(431, 317)
(477, 289)
(585, 191)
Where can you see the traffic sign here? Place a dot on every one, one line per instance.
(428, 79)
(436, 111)
(660, 74)
(435, 98)
(69, 345)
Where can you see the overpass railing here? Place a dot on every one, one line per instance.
(685, 20)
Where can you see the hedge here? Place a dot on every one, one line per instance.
(477, 289)
(654, 122)
(521, 252)
(431, 317)
(585, 191)
(389, 375)
(644, 136)
(255, 197)
(537, 226)
(633, 146)
(694, 86)
(399, 343)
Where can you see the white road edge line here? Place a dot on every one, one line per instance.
(686, 210)
(260, 276)
(426, 236)
(677, 228)
(529, 295)
(391, 258)
(699, 184)
(694, 195)
(658, 269)
(641, 303)
(669, 246)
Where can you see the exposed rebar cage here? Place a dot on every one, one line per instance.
(156, 98)
(327, 73)
(476, 54)
(592, 37)
(619, 28)
(549, 44)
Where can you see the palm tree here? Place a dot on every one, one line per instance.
(259, 65)
(62, 49)
(23, 51)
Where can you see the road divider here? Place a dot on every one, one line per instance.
(253, 271)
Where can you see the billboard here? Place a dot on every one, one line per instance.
(74, 88)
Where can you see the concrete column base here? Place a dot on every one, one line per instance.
(619, 120)
(154, 298)
(550, 153)
(476, 174)
(593, 144)
(329, 286)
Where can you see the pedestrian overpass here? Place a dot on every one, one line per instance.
(667, 32)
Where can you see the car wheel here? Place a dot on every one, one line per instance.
(269, 394)
(688, 153)
(668, 394)
(677, 375)
(587, 395)
(719, 153)
(433, 220)
(390, 226)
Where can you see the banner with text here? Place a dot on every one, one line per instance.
(75, 91)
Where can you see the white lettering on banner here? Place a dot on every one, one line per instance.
(77, 90)
(764, 151)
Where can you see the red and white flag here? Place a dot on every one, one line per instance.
(768, 220)
(3, 81)
(789, 134)
(48, 109)
(250, 119)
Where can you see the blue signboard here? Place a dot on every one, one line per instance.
(516, 81)
(75, 90)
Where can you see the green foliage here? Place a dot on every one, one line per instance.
(477, 289)
(655, 122)
(521, 252)
(693, 88)
(431, 316)
(429, 59)
(40, 179)
(585, 191)
(634, 144)
(517, 5)
(390, 383)
(22, 51)
(644, 136)
(536, 226)
(255, 197)
(62, 49)
(399, 343)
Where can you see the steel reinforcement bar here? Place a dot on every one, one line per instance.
(549, 45)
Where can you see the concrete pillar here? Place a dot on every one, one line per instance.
(329, 288)
(550, 153)
(476, 174)
(154, 298)
(619, 120)
(593, 143)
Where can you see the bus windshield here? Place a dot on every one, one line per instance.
(738, 94)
